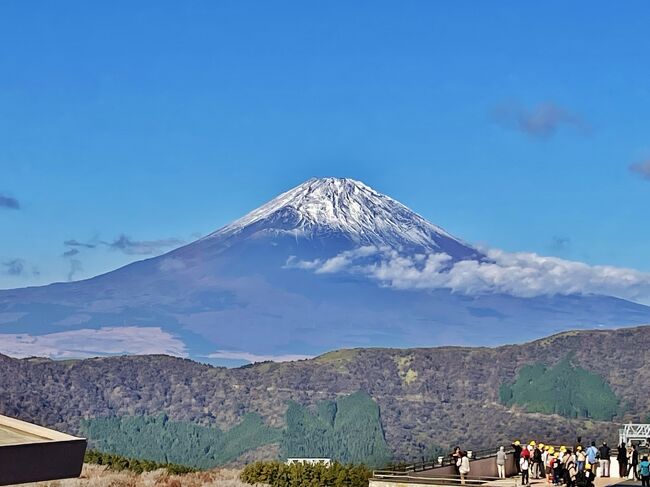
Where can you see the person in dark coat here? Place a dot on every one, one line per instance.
(455, 457)
(517, 455)
(604, 453)
(621, 456)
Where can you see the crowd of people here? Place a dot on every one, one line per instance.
(575, 466)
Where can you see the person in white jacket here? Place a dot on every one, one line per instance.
(524, 464)
(463, 466)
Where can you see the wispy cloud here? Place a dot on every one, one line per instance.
(76, 243)
(518, 274)
(14, 267)
(543, 120)
(9, 203)
(253, 358)
(93, 343)
(641, 169)
(75, 267)
(129, 246)
(70, 253)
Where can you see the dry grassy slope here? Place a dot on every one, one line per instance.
(98, 476)
(441, 395)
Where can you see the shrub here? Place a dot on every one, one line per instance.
(118, 462)
(278, 474)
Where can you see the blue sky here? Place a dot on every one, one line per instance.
(143, 124)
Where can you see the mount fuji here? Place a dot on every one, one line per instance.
(291, 279)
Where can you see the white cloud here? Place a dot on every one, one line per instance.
(252, 358)
(521, 274)
(338, 263)
(93, 343)
(344, 259)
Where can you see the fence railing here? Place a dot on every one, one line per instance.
(441, 461)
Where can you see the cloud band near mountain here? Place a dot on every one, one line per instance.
(254, 358)
(521, 274)
(93, 343)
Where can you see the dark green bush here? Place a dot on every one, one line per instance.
(278, 474)
(118, 462)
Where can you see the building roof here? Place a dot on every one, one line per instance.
(11, 436)
(15, 432)
(31, 453)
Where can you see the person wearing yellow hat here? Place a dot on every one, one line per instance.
(557, 469)
(529, 449)
(589, 475)
(581, 458)
(570, 469)
(585, 477)
(516, 455)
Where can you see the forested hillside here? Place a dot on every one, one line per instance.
(159, 439)
(348, 429)
(563, 389)
(425, 397)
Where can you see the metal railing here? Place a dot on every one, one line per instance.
(442, 461)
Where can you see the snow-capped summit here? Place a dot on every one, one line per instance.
(257, 286)
(324, 206)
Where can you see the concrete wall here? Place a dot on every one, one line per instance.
(485, 467)
(34, 462)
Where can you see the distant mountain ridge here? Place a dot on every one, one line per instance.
(425, 397)
(256, 288)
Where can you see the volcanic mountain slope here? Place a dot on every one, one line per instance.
(439, 396)
(249, 287)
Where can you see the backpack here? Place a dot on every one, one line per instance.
(582, 480)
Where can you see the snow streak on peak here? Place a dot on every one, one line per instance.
(322, 206)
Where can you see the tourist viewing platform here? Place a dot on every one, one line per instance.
(483, 470)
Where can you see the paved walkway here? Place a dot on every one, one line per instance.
(600, 482)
